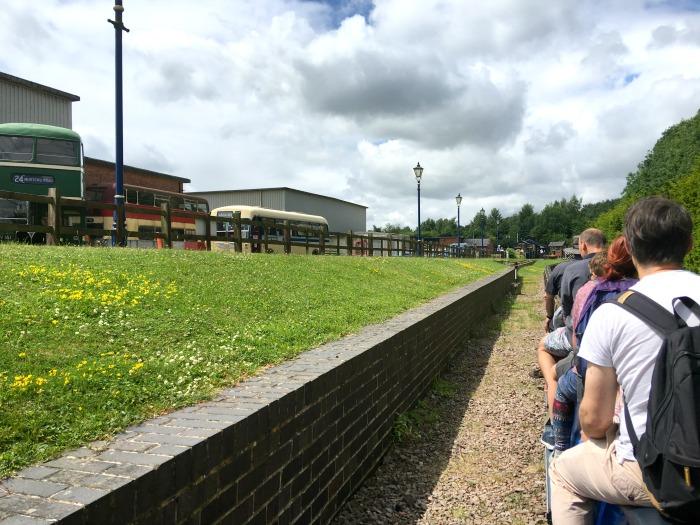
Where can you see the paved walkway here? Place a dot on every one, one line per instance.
(474, 455)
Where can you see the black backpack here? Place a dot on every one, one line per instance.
(668, 452)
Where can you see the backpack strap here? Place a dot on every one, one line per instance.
(656, 317)
(684, 308)
(649, 311)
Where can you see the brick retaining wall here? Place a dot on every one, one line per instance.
(288, 446)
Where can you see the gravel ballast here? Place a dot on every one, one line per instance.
(470, 452)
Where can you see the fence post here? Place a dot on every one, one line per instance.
(207, 232)
(165, 223)
(370, 242)
(322, 241)
(266, 230)
(53, 220)
(348, 243)
(287, 238)
(238, 240)
(306, 238)
(390, 244)
(337, 243)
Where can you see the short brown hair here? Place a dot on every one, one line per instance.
(597, 263)
(658, 231)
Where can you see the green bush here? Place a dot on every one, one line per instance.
(687, 192)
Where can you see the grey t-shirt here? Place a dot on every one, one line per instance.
(575, 275)
(554, 281)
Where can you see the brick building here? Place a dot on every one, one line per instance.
(101, 173)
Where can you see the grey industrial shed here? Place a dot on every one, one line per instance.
(25, 101)
(341, 215)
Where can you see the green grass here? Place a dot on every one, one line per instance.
(93, 340)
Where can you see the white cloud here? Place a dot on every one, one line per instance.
(506, 101)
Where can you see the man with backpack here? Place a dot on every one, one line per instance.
(624, 344)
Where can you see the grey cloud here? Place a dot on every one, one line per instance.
(664, 36)
(96, 147)
(391, 97)
(29, 33)
(372, 84)
(557, 135)
(504, 29)
(148, 155)
(604, 48)
(173, 81)
(487, 117)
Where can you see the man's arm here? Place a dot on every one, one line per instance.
(549, 309)
(598, 403)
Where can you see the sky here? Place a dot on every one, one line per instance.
(506, 102)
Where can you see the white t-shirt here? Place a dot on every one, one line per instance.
(615, 338)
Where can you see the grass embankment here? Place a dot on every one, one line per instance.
(95, 340)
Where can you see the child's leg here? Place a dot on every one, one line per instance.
(563, 410)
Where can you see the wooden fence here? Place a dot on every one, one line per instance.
(310, 240)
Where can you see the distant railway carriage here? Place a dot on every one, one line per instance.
(34, 158)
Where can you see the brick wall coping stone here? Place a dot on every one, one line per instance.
(289, 445)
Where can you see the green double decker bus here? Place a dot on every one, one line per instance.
(34, 158)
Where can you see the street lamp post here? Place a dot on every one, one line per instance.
(119, 215)
(458, 199)
(497, 241)
(418, 172)
(483, 220)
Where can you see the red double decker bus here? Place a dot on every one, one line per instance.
(148, 199)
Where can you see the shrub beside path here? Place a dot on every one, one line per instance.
(470, 452)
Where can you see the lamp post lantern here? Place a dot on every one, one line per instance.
(483, 220)
(458, 200)
(418, 172)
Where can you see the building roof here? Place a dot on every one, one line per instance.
(530, 241)
(138, 170)
(285, 188)
(557, 244)
(38, 130)
(39, 87)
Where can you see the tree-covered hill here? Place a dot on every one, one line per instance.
(671, 169)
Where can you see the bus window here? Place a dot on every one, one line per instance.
(17, 149)
(146, 198)
(161, 199)
(178, 203)
(132, 196)
(61, 152)
(149, 229)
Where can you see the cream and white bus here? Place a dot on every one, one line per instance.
(263, 230)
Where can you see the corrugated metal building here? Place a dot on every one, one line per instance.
(25, 101)
(341, 215)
